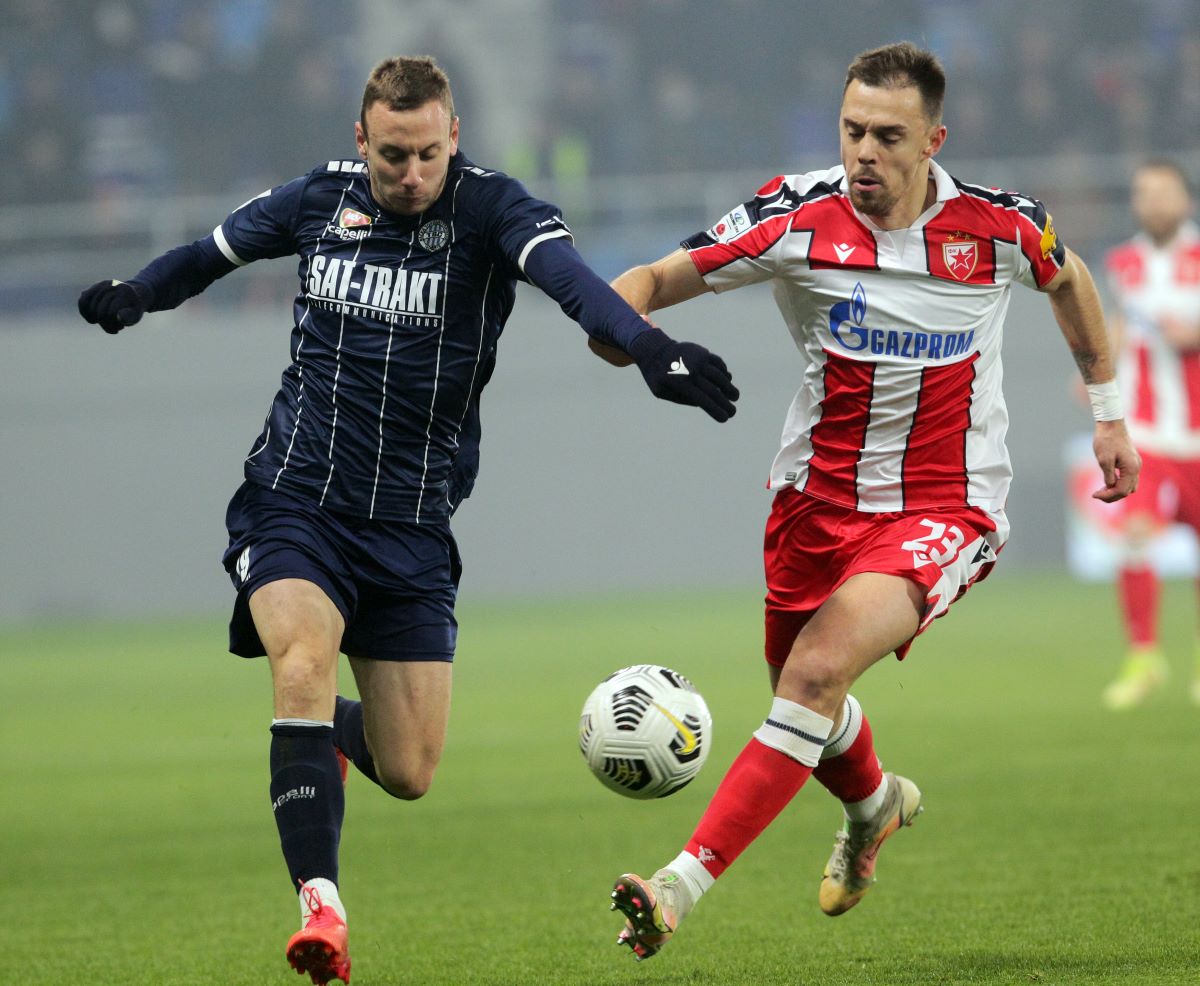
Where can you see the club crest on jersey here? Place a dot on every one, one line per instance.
(961, 257)
(433, 235)
(352, 218)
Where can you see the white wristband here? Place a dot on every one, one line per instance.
(1106, 401)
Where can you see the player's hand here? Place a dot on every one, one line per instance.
(1118, 459)
(112, 305)
(685, 373)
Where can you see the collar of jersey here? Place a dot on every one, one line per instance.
(942, 182)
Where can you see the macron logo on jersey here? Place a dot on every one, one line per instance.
(846, 320)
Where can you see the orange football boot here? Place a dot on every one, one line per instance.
(320, 948)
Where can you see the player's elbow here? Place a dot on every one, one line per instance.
(1074, 272)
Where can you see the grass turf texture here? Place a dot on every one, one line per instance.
(1057, 845)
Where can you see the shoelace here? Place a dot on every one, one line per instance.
(312, 900)
(841, 858)
(846, 849)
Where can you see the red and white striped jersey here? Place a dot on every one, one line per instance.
(899, 405)
(1161, 384)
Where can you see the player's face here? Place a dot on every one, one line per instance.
(887, 141)
(1160, 202)
(408, 154)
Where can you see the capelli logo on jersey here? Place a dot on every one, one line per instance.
(846, 320)
(351, 225)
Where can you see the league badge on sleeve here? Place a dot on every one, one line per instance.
(434, 235)
(730, 225)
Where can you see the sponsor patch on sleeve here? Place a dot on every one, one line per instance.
(730, 225)
(1049, 242)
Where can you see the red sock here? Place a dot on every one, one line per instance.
(855, 774)
(1138, 590)
(755, 789)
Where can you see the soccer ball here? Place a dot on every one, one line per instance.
(645, 731)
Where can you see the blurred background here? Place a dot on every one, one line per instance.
(127, 128)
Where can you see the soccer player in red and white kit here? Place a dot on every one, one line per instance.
(1154, 279)
(889, 489)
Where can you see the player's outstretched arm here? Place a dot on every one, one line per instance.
(681, 372)
(1077, 309)
(647, 288)
(164, 283)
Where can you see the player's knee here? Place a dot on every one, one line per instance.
(815, 684)
(407, 782)
(302, 675)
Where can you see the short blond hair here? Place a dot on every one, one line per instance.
(406, 82)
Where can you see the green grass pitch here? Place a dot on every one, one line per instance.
(1058, 843)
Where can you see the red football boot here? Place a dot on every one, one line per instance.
(320, 948)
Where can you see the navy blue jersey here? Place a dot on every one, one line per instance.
(396, 325)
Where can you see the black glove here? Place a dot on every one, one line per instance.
(113, 305)
(685, 373)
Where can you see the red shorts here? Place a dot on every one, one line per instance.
(812, 546)
(1168, 490)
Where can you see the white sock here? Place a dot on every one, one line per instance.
(865, 810)
(692, 872)
(847, 730)
(795, 731)
(327, 891)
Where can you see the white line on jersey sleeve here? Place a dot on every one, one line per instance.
(535, 241)
(226, 249)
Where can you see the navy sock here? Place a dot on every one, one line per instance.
(350, 737)
(307, 798)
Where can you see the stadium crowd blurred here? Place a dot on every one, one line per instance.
(183, 96)
(166, 97)
(117, 103)
(757, 82)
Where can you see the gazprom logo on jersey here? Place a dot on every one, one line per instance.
(846, 325)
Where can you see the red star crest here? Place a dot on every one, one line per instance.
(961, 257)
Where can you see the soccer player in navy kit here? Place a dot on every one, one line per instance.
(339, 540)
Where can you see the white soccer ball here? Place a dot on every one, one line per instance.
(645, 731)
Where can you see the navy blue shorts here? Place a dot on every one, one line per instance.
(393, 582)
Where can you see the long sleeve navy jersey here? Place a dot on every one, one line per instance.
(397, 321)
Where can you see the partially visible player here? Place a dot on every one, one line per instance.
(339, 539)
(1154, 279)
(893, 278)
